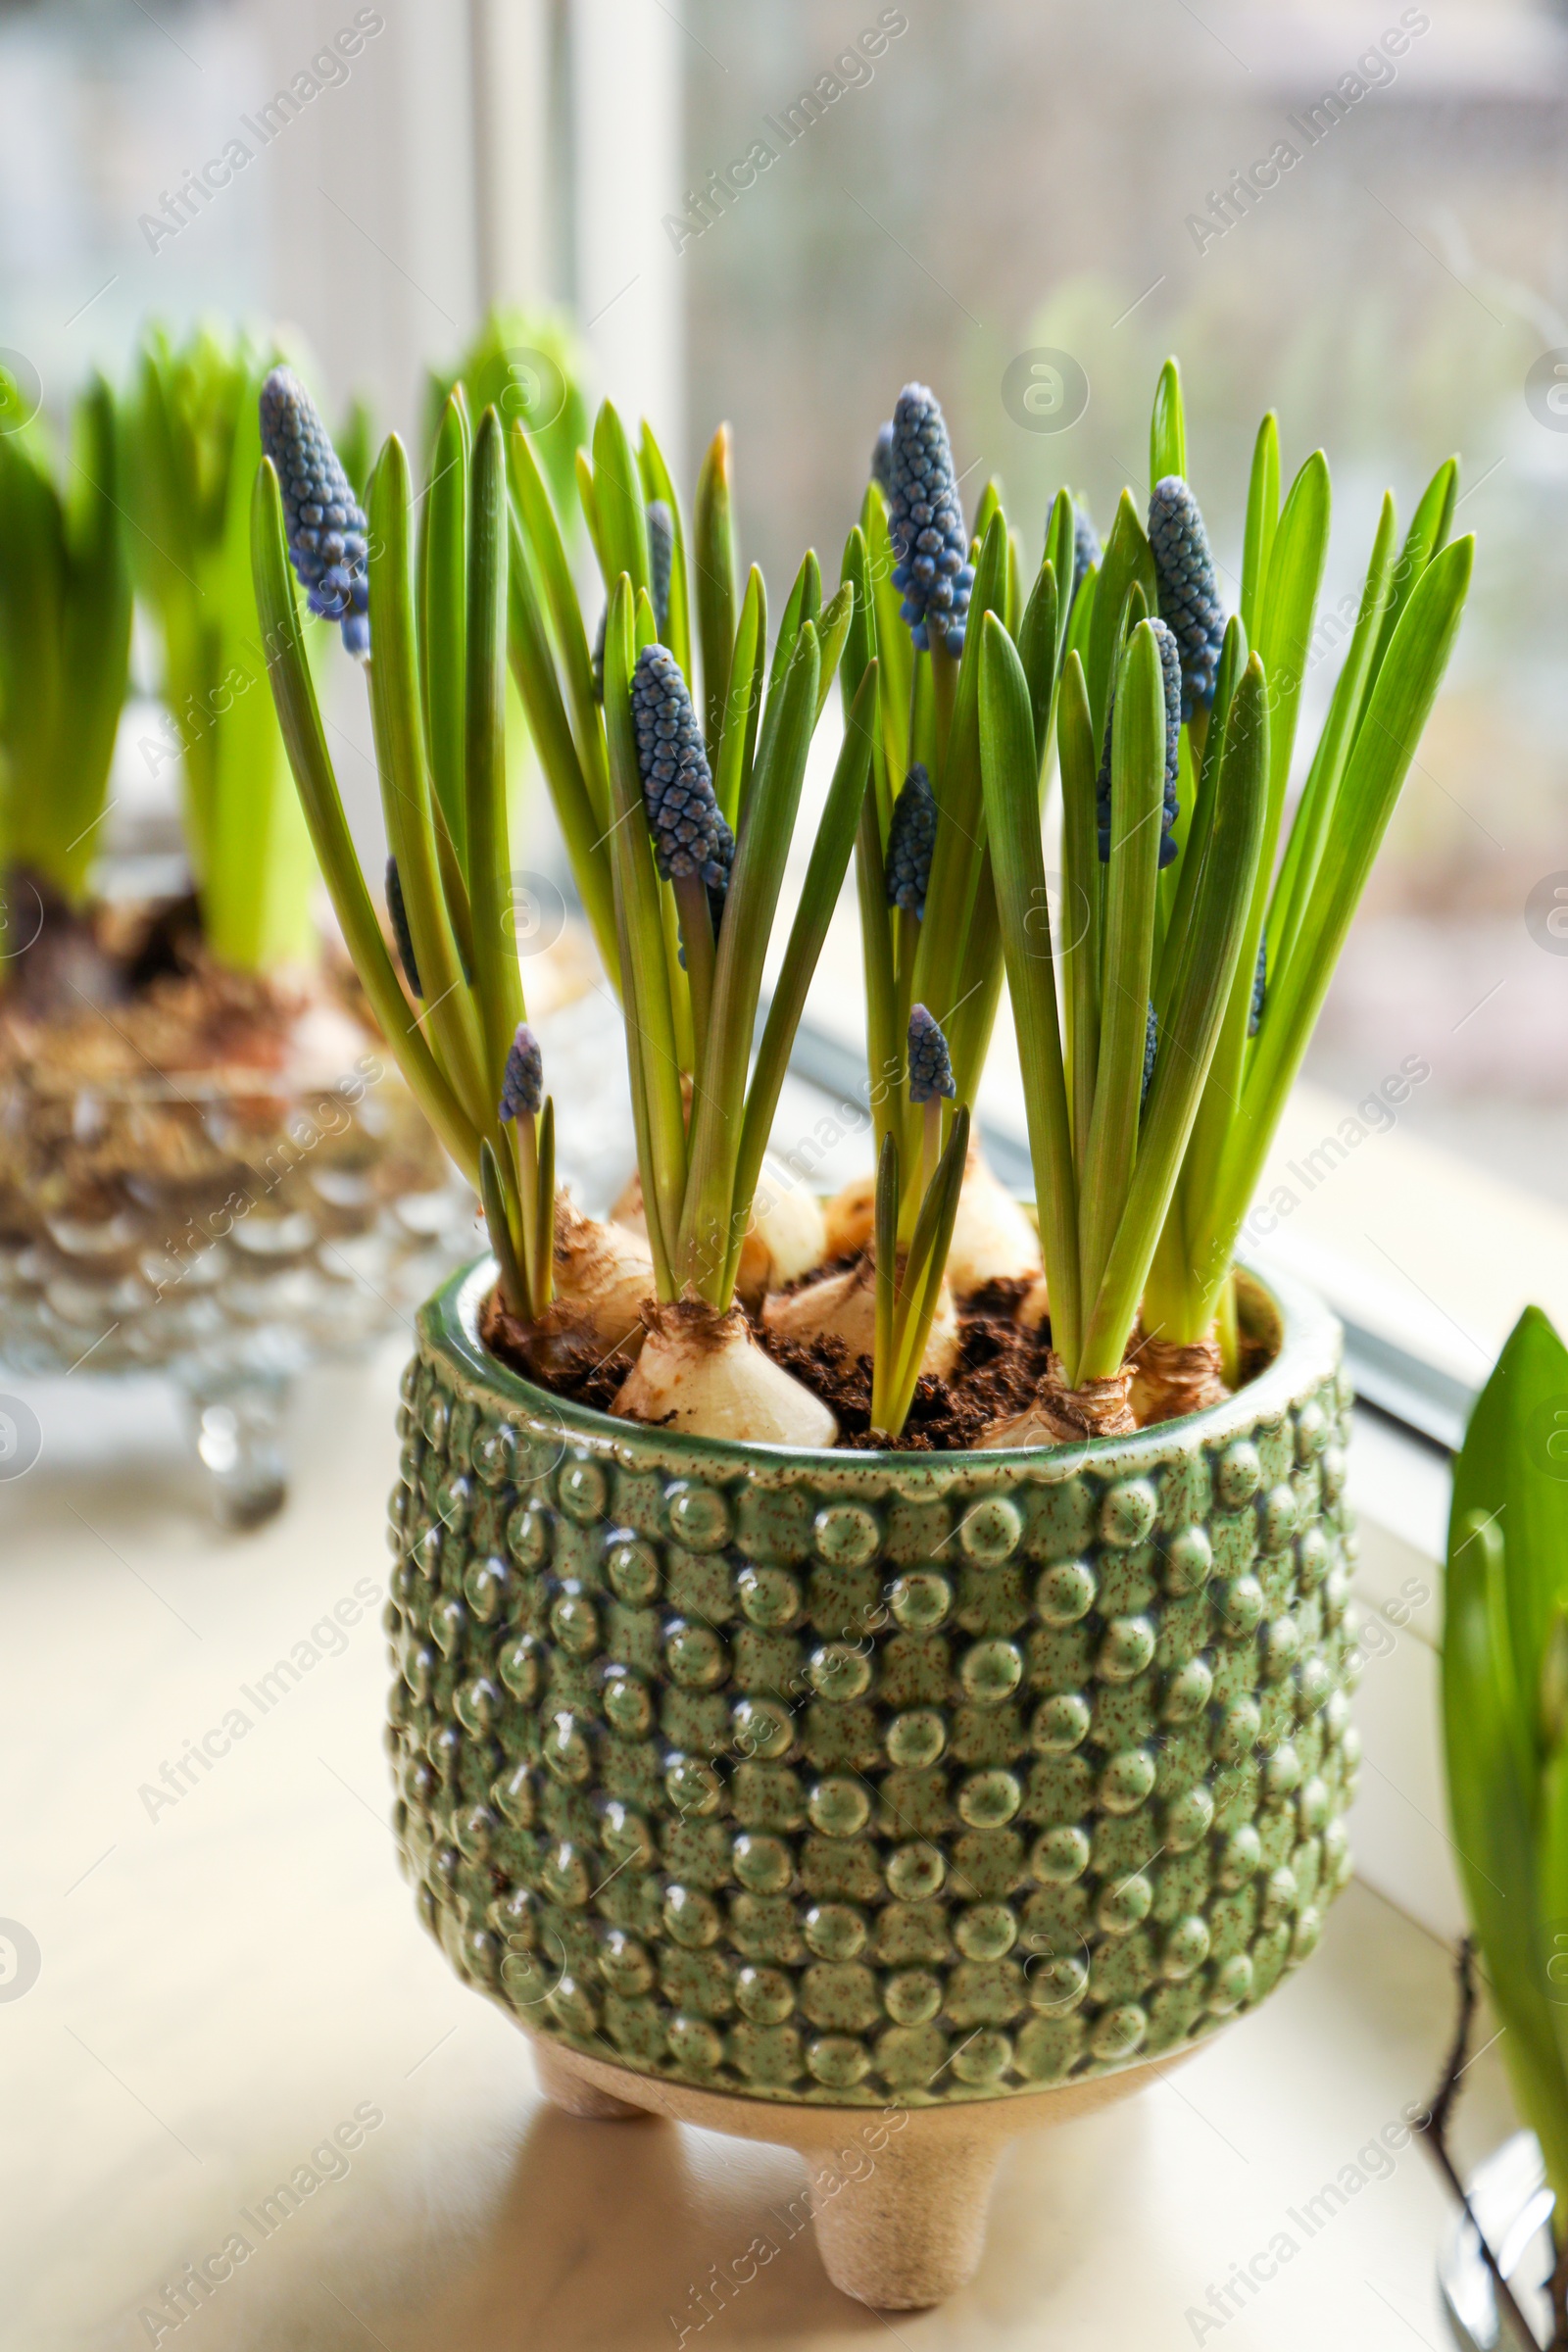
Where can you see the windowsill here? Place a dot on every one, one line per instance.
(224, 1984)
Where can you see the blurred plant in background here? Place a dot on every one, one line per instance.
(1505, 1731)
(191, 444)
(530, 367)
(65, 645)
(206, 1167)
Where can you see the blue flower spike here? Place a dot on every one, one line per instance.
(523, 1083)
(925, 525)
(1189, 594)
(660, 557)
(1254, 1018)
(911, 837)
(1150, 1051)
(930, 1066)
(689, 834)
(660, 563)
(1086, 550)
(882, 457)
(326, 524)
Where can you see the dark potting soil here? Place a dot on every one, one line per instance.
(999, 1367)
(580, 1372)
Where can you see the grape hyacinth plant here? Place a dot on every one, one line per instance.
(443, 790)
(929, 938)
(694, 914)
(1156, 1040)
(1157, 1032)
(677, 830)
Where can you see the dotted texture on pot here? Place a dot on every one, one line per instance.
(864, 1778)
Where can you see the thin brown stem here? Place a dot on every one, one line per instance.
(1433, 2128)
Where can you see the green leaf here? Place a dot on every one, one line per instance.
(1189, 1032)
(1127, 564)
(713, 551)
(885, 1215)
(537, 543)
(927, 1263)
(833, 629)
(1190, 865)
(804, 604)
(1314, 813)
(743, 706)
(502, 1242)
(761, 851)
(970, 1017)
(1429, 530)
(885, 1033)
(1167, 428)
(1507, 1578)
(960, 804)
(1079, 946)
(1061, 555)
(394, 679)
(543, 1233)
(990, 505)
(894, 648)
(585, 833)
(1008, 767)
(847, 796)
(1039, 639)
(1397, 712)
(498, 982)
(652, 1063)
(300, 720)
(618, 501)
(657, 475)
(1262, 521)
(443, 605)
(1285, 640)
(1137, 789)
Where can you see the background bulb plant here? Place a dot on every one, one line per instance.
(65, 645)
(191, 433)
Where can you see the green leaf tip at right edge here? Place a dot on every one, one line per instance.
(1507, 1762)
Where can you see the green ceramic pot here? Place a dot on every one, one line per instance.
(853, 1778)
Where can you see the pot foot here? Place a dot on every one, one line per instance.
(910, 2232)
(235, 1427)
(572, 2092)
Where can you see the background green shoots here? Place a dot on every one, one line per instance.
(192, 444)
(65, 641)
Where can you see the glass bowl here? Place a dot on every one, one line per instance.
(222, 1219)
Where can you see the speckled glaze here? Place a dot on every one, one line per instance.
(854, 1778)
